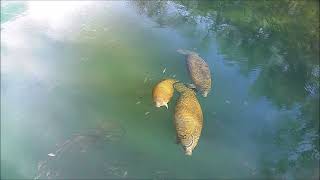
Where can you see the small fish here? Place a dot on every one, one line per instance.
(228, 102)
(164, 70)
(145, 80)
(147, 113)
(51, 155)
(138, 102)
(40, 164)
(163, 92)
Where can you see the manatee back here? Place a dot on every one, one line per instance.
(163, 88)
(188, 119)
(200, 73)
(163, 91)
(180, 87)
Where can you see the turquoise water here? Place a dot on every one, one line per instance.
(76, 82)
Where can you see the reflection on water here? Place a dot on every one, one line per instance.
(68, 67)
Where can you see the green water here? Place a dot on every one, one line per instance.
(89, 68)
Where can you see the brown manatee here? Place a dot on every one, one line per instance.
(163, 92)
(188, 118)
(199, 71)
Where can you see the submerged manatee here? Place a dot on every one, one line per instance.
(188, 118)
(199, 71)
(163, 92)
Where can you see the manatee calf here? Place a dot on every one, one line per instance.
(199, 71)
(188, 118)
(163, 92)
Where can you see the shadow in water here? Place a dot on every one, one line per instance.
(80, 148)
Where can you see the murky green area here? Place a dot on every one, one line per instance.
(76, 82)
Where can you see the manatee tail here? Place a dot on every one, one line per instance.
(185, 51)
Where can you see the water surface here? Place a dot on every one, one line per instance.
(80, 72)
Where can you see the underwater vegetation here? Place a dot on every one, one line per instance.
(80, 147)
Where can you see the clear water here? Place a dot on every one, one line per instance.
(76, 81)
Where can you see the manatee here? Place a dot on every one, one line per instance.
(188, 118)
(199, 71)
(163, 92)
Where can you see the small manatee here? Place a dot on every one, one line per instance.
(163, 92)
(198, 70)
(188, 118)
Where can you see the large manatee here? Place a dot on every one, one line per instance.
(163, 92)
(188, 118)
(199, 71)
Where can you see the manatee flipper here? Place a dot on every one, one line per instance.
(177, 140)
(192, 86)
(180, 87)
